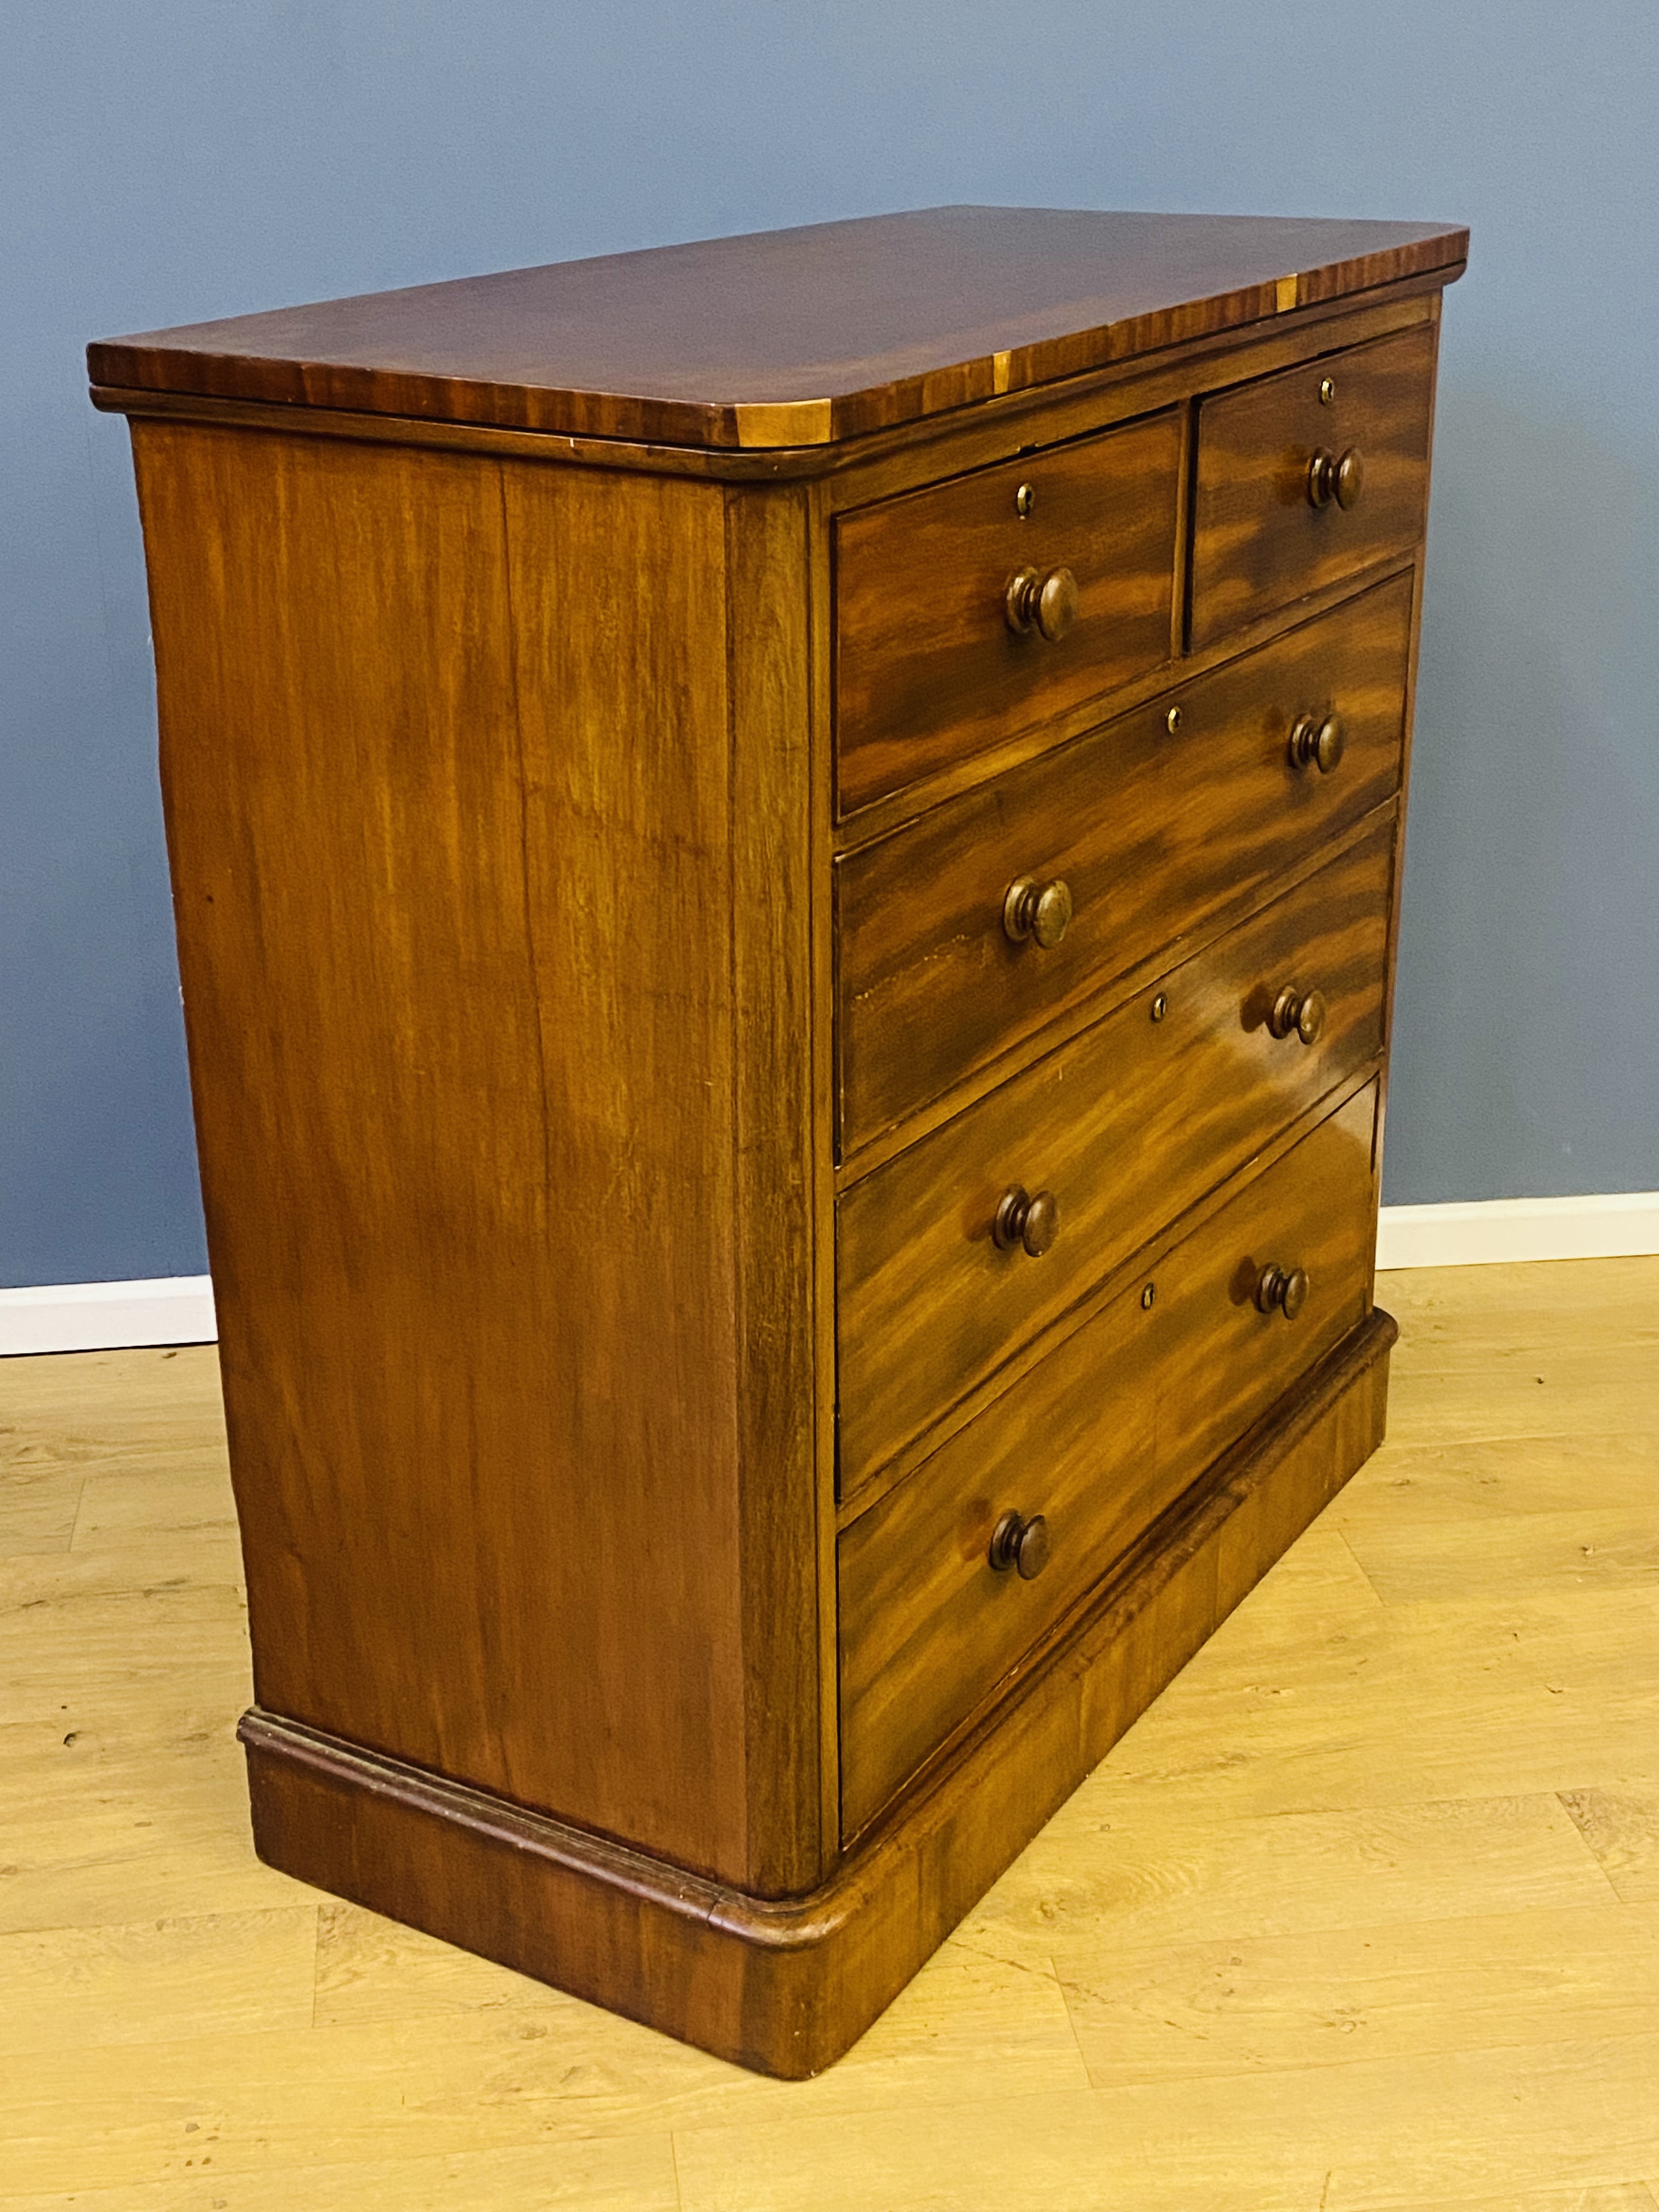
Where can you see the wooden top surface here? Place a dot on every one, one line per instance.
(786, 337)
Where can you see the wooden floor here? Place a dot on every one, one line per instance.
(1364, 1912)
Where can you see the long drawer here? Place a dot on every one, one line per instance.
(1095, 1441)
(968, 1245)
(933, 659)
(1149, 824)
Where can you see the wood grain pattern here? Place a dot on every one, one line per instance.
(460, 996)
(927, 671)
(659, 711)
(784, 1988)
(1151, 830)
(527, 998)
(1273, 2144)
(77, 1472)
(1355, 1803)
(201, 1974)
(1126, 1126)
(780, 1124)
(1258, 540)
(878, 463)
(1379, 1989)
(1099, 1439)
(1621, 1826)
(787, 337)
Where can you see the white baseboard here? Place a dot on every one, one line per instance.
(1606, 1226)
(107, 1316)
(179, 1309)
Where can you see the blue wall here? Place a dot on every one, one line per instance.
(192, 158)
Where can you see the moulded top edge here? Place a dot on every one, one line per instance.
(785, 339)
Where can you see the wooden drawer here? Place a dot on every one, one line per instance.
(1259, 540)
(1151, 830)
(928, 670)
(1098, 1439)
(1123, 1128)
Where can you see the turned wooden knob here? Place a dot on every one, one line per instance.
(1282, 1290)
(1039, 910)
(1316, 743)
(1021, 1544)
(1339, 477)
(1297, 1013)
(1031, 1223)
(1046, 603)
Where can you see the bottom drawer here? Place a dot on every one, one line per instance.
(1097, 1440)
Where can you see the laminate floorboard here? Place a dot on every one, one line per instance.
(1363, 1914)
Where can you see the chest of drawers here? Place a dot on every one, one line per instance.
(785, 856)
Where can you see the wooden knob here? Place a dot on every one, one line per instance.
(1282, 1290)
(1039, 910)
(1316, 743)
(1350, 477)
(1339, 477)
(1031, 1223)
(1048, 604)
(1021, 1544)
(1297, 1013)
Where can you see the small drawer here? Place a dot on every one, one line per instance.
(1138, 832)
(942, 1274)
(1307, 477)
(937, 656)
(1096, 1443)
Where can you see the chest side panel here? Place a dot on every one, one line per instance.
(448, 763)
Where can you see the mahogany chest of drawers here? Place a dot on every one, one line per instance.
(785, 856)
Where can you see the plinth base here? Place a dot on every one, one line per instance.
(786, 1987)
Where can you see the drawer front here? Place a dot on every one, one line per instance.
(1264, 531)
(1120, 1131)
(928, 670)
(1098, 1439)
(1150, 830)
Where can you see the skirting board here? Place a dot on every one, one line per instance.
(179, 1309)
(107, 1316)
(1606, 1226)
